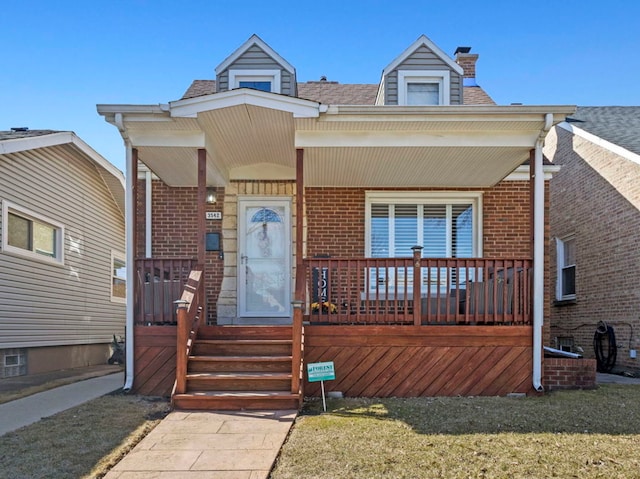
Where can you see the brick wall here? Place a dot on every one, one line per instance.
(175, 228)
(596, 198)
(566, 373)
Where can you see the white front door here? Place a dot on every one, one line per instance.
(264, 258)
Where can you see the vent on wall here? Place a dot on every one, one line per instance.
(14, 362)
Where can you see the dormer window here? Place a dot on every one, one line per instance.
(423, 87)
(264, 80)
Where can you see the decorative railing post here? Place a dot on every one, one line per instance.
(417, 285)
(182, 311)
(296, 346)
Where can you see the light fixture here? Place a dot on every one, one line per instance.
(211, 196)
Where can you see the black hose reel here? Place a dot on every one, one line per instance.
(604, 345)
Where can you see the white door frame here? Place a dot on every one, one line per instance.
(243, 259)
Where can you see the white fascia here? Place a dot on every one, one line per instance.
(612, 147)
(190, 107)
(522, 173)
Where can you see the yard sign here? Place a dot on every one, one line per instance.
(321, 372)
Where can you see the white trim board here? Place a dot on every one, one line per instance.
(612, 147)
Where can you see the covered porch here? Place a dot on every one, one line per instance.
(257, 137)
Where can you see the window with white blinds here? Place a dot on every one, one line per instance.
(444, 230)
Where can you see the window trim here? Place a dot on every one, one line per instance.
(560, 266)
(8, 207)
(427, 197)
(117, 255)
(441, 77)
(273, 76)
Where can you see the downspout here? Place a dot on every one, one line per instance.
(538, 254)
(129, 232)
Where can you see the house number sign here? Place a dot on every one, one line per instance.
(213, 215)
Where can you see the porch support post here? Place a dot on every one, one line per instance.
(299, 207)
(202, 196)
(417, 285)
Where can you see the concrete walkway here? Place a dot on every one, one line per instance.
(22, 412)
(213, 445)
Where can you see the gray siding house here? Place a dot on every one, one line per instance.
(62, 252)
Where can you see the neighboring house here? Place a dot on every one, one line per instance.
(62, 252)
(296, 206)
(595, 229)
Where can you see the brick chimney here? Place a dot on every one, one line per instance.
(468, 63)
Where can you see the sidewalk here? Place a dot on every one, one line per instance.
(215, 445)
(25, 411)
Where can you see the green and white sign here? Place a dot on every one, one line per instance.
(321, 371)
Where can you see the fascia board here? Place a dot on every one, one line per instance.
(422, 40)
(190, 107)
(597, 140)
(254, 40)
(521, 173)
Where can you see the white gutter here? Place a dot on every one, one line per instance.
(129, 234)
(538, 254)
(148, 194)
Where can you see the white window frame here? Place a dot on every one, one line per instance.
(273, 76)
(423, 197)
(441, 77)
(560, 266)
(117, 255)
(8, 207)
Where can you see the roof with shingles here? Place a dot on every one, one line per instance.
(334, 93)
(24, 133)
(619, 125)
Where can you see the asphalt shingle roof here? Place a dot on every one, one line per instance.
(616, 124)
(334, 93)
(20, 133)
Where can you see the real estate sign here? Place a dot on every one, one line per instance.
(321, 371)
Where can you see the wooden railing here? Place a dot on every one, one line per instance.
(189, 311)
(445, 291)
(159, 282)
(297, 333)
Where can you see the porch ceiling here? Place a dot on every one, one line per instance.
(344, 146)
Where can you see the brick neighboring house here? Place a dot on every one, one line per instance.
(296, 206)
(595, 230)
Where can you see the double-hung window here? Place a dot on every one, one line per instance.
(29, 234)
(423, 87)
(566, 262)
(445, 225)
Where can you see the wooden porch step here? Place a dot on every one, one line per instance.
(239, 381)
(242, 347)
(236, 400)
(211, 364)
(244, 332)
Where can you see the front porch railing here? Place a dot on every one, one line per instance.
(419, 291)
(159, 282)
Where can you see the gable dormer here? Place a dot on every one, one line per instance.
(422, 75)
(256, 65)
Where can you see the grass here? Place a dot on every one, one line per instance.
(581, 434)
(82, 442)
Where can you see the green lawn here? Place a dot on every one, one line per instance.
(581, 434)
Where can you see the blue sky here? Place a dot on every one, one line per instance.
(61, 58)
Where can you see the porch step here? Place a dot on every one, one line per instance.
(240, 367)
(237, 400)
(238, 381)
(213, 364)
(242, 347)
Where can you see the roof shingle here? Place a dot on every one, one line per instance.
(619, 125)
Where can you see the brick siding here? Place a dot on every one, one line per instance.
(566, 373)
(596, 198)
